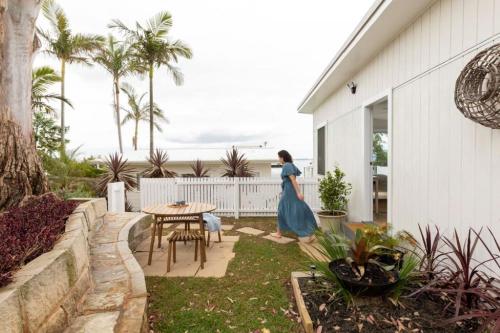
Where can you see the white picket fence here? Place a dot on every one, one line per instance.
(232, 196)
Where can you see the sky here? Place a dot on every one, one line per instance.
(254, 61)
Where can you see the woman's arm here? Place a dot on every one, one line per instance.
(296, 186)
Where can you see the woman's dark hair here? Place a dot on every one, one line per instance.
(285, 156)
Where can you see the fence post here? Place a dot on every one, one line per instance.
(116, 197)
(236, 198)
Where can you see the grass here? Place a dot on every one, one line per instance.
(252, 297)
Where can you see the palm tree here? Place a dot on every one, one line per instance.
(153, 49)
(139, 111)
(236, 165)
(67, 46)
(42, 79)
(115, 58)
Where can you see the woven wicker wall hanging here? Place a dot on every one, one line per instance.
(477, 90)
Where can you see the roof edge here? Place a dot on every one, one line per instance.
(361, 25)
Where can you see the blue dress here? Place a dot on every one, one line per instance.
(293, 214)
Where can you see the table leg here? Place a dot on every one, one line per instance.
(160, 233)
(151, 246)
(203, 241)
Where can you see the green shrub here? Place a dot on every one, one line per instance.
(334, 191)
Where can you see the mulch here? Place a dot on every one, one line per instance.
(330, 313)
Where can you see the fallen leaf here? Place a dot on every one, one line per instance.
(319, 329)
(322, 307)
(230, 300)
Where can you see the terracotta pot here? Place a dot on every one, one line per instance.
(333, 221)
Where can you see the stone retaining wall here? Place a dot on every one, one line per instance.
(46, 293)
(52, 292)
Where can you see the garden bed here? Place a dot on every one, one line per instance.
(320, 308)
(31, 230)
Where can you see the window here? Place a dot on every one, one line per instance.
(321, 151)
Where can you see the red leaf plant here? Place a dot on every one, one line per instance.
(29, 230)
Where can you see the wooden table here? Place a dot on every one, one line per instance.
(165, 213)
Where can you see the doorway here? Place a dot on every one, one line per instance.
(377, 139)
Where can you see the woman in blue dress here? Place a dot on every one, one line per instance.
(293, 213)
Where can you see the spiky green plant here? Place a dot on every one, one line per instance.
(152, 48)
(117, 170)
(236, 165)
(199, 169)
(158, 167)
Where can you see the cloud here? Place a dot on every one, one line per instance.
(209, 137)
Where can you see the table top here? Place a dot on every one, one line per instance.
(192, 208)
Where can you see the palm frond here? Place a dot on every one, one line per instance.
(160, 24)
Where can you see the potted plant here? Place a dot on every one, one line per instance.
(361, 272)
(334, 192)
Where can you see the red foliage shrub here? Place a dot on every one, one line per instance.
(30, 230)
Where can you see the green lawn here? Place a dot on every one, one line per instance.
(255, 294)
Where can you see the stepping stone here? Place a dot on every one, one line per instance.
(251, 231)
(227, 227)
(282, 240)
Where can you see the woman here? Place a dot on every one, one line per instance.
(293, 213)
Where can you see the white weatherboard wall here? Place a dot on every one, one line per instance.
(445, 169)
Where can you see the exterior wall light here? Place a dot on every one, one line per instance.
(352, 86)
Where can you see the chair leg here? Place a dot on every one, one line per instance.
(208, 239)
(175, 251)
(202, 255)
(160, 232)
(220, 239)
(195, 250)
(151, 246)
(169, 253)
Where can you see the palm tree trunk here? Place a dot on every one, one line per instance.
(151, 113)
(21, 172)
(63, 128)
(117, 110)
(136, 134)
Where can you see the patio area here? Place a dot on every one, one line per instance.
(253, 295)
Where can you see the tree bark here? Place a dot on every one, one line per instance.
(116, 85)
(136, 134)
(21, 172)
(151, 113)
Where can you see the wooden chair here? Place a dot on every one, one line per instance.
(208, 238)
(185, 236)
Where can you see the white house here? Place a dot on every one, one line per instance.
(181, 159)
(404, 58)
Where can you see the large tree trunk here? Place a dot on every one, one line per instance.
(21, 172)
